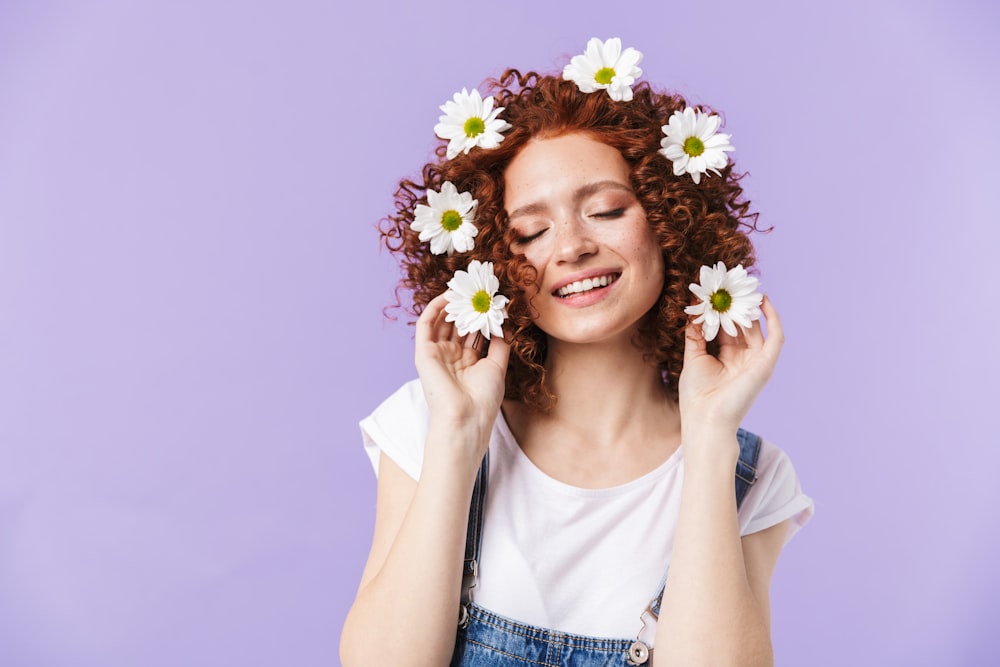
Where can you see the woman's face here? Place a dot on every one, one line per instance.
(581, 227)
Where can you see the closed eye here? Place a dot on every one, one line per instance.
(616, 213)
(521, 240)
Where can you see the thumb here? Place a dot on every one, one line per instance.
(499, 351)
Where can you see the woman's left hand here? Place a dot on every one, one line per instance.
(715, 393)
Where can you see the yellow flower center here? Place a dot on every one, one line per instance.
(481, 301)
(604, 75)
(693, 146)
(721, 300)
(451, 220)
(474, 127)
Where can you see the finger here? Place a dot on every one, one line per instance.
(474, 341)
(472, 345)
(754, 335)
(694, 342)
(727, 339)
(449, 332)
(446, 331)
(775, 332)
(499, 351)
(429, 320)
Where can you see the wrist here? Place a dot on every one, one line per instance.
(468, 427)
(710, 446)
(707, 428)
(456, 445)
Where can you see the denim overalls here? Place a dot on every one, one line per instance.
(488, 640)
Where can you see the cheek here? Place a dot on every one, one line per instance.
(536, 256)
(647, 250)
(655, 272)
(655, 266)
(531, 269)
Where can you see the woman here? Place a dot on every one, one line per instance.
(596, 203)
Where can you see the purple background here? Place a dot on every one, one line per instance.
(191, 294)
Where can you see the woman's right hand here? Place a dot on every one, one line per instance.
(463, 388)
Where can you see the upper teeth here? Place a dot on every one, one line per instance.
(586, 285)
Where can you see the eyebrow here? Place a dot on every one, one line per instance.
(582, 192)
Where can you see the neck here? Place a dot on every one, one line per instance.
(613, 421)
(608, 391)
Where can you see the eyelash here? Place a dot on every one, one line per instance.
(616, 213)
(604, 215)
(521, 240)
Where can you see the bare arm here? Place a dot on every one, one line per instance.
(412, 581)
(715, 608)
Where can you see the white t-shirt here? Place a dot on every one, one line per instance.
(583, 561)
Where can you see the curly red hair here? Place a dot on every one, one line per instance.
(694, 224)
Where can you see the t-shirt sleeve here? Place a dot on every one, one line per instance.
(398, 429)
(775, 496)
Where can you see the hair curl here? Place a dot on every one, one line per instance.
(694, 224)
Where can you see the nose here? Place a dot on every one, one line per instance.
(573, 240)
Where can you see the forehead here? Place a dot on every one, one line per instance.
(552, 166)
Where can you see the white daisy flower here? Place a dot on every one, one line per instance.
(446, 220)
(692, 144)
(727, 298)
(473, 302)
(470, 121)
(604, 66)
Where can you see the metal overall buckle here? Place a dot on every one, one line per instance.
(473, 581)
(639, 652)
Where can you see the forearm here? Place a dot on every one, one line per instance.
(709, 614)
(413, 598)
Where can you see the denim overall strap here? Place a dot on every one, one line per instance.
(474, 535)
(746, 466)
(746, 475)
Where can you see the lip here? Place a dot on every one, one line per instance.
(593, 273)
(590, 297)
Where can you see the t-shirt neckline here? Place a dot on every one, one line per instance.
(507, 439)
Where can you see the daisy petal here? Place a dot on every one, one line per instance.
(446, 220)
(473, 304)
(728, 326)
(707, 150)
(462, 136)
(726, 298)
(604, 66)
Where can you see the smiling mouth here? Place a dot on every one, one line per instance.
(586, 285)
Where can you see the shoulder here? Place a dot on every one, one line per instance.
(776, 494)
(397, 428)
